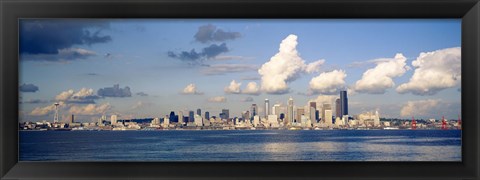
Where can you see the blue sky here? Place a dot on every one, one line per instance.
(146, 55)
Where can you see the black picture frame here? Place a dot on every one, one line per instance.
(467, 10)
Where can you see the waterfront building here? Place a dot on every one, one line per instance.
(345, 119)
(199, 112)
(113, 119)
(376, 119)
(267, 108)
(369, 118)
(155, 121)
(290, 116)
(344, 102)
(256, 120)
(300, 112)
(317, 115)
(191, 117)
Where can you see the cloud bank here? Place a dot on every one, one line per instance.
(28, 88)
(328, 82)
(420, 108)
(191, 89)
(210, 33)
(284, 67)
(220, 69)
(83, 96)
(434, 71)
(115, 91)
(233, 88)
(217, 99)
(378, 79)
(47, 37)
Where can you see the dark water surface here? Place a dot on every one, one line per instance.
(241, 145)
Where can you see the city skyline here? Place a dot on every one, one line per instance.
(147, 68)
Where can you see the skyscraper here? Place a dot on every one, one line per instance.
(338, 108)
(113, 119)
(180, 117)
(276, 109)
(300, 112)
(191, 117)
(72, 120)
(254, 110)
(207, 115)
(326, 107)
(199, 112)
(312, 109)
(290, 111)
(267, 108)
(172, 117)
(226, 113)
(344, 102)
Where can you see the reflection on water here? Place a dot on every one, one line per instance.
(419, 145)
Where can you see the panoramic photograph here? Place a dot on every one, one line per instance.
(240, 90)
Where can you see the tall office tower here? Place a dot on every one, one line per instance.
(338, 108)
(226, 113)
(267, 108)
(172, 117)
(344, 102)
(72, 119)
(312, 114)
(166, 120)
(199, 112)
(180, 117)
(326, 107)
(207, 115)
(254, 110)
(191, 117)
(198, 120)
(328, 117)
(312, 109)
(290, 111)
(317, 115)
(276, 109)
(113, 119)
(55, 117)
(313, 104)
(300, 112)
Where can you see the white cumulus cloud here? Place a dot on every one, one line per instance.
(328, 82)
(233, 88)
(378, 79)
(252, 89)
(420, 108)
(84, 95)
(217, 99)
(434, 71)
(191, 89)
(90, 109)
(314, 66)
(284, 67)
